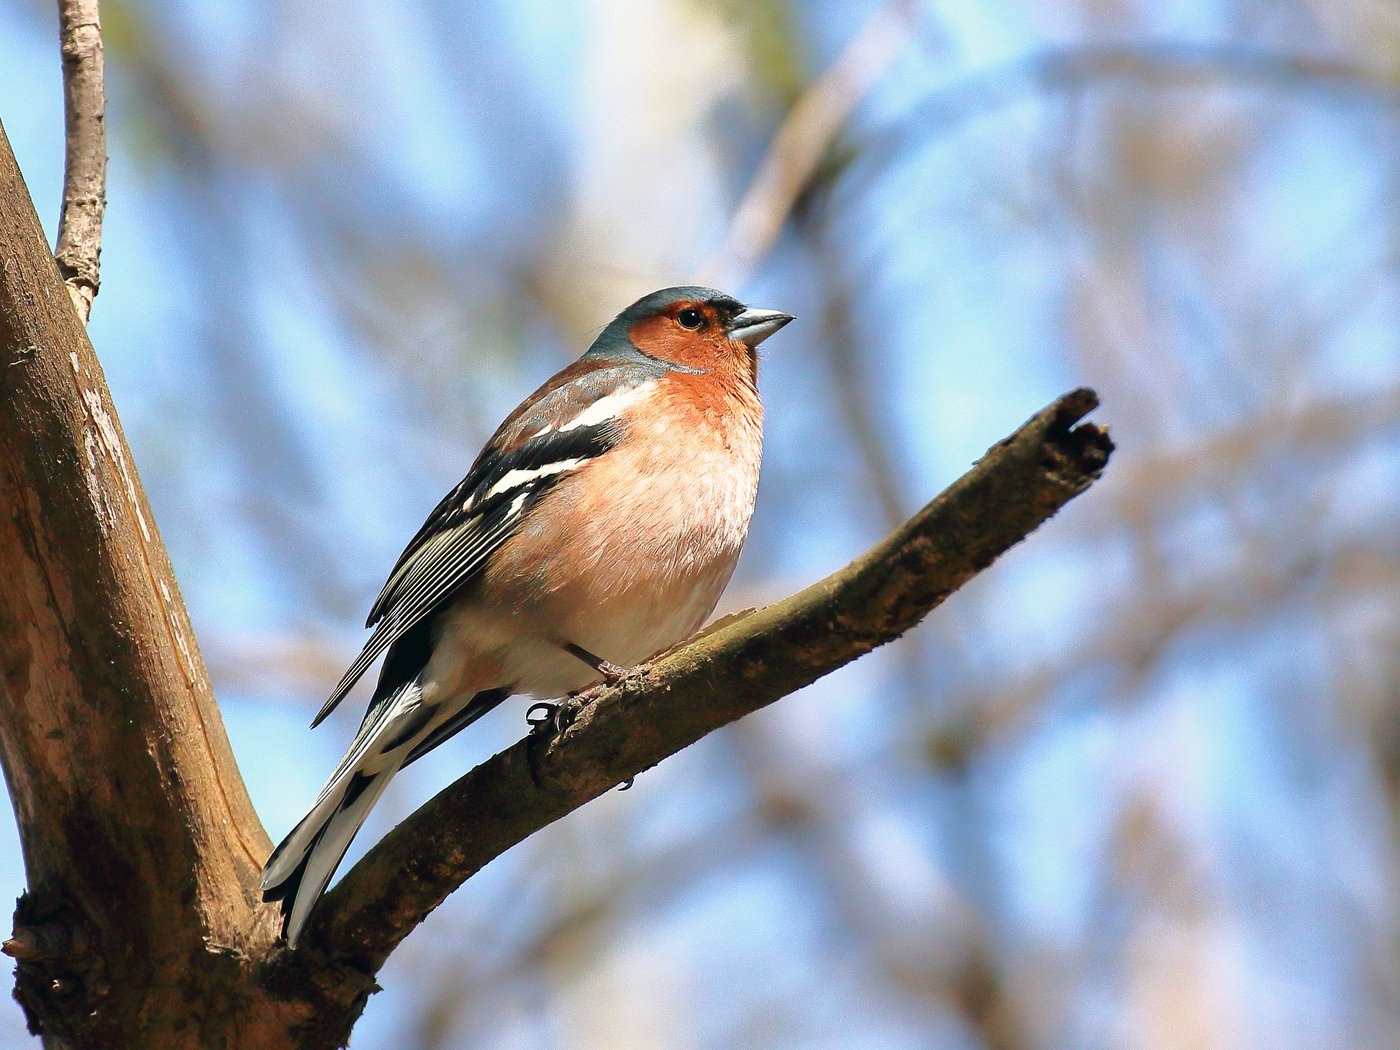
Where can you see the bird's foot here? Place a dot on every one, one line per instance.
(611, 672)
(548, 722)
(552, 719)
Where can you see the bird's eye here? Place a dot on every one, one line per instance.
(691, 318)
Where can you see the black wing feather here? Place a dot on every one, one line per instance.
(462, 532)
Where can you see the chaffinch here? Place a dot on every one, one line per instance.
(597, 527)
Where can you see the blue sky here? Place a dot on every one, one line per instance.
(992, 267)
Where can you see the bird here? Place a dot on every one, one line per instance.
(599, 526)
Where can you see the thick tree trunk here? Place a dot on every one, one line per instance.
(142, 850)
(141, 925)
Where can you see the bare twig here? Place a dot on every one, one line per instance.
(85, 151)
(800, 143)
(134, 820)
(742, 664)
(24, 944)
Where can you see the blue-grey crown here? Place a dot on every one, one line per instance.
(612, 341)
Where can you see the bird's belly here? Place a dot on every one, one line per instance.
(628, 626)
(650, 549)
(625, 563)
(482, 645)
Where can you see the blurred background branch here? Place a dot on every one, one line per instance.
(802, 141)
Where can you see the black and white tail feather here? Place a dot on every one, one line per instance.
(395, 733)
(556, 432)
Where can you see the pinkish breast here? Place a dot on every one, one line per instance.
(630, 554)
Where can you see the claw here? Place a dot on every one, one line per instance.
(548, 721)
(546, 713)
(554, 718)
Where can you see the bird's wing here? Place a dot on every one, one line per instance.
(563, 426)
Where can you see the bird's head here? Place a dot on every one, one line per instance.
(693, 328)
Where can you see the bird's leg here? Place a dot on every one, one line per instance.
(558, 716)
(611, 672)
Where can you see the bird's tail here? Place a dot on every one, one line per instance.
(300, 868)
(397, 730)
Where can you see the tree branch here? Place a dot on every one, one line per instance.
(140, 843)
(85, 151)
(741, 664)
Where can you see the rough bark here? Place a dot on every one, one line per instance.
(141, 848)
(141, 924)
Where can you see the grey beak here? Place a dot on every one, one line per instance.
(753, 326)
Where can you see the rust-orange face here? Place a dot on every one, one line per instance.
(709, 333)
